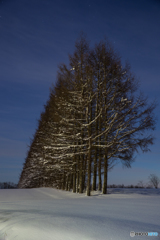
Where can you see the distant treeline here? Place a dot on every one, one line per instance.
(128, 186)
(7, 185)
(11, 185)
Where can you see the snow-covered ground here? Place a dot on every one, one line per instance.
(50, 214)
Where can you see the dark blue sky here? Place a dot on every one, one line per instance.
(37, 35)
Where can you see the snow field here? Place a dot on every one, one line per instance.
(45, 213)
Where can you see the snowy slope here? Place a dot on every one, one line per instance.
(45, 213)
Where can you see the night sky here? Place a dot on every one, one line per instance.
(36, 36)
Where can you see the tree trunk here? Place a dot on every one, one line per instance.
(77, 177)
(66, 188)
(81, 176)
(84, 173)
(63, 181)
(89, 170)
(105, 173)
(99, 175)
(95, 172)
(69, 181)
(74, 178)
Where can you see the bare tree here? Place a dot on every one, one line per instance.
(140, 184)
(154, 180)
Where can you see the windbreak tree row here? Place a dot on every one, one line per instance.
(93, 119)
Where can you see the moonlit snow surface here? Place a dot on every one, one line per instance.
(50, 214)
